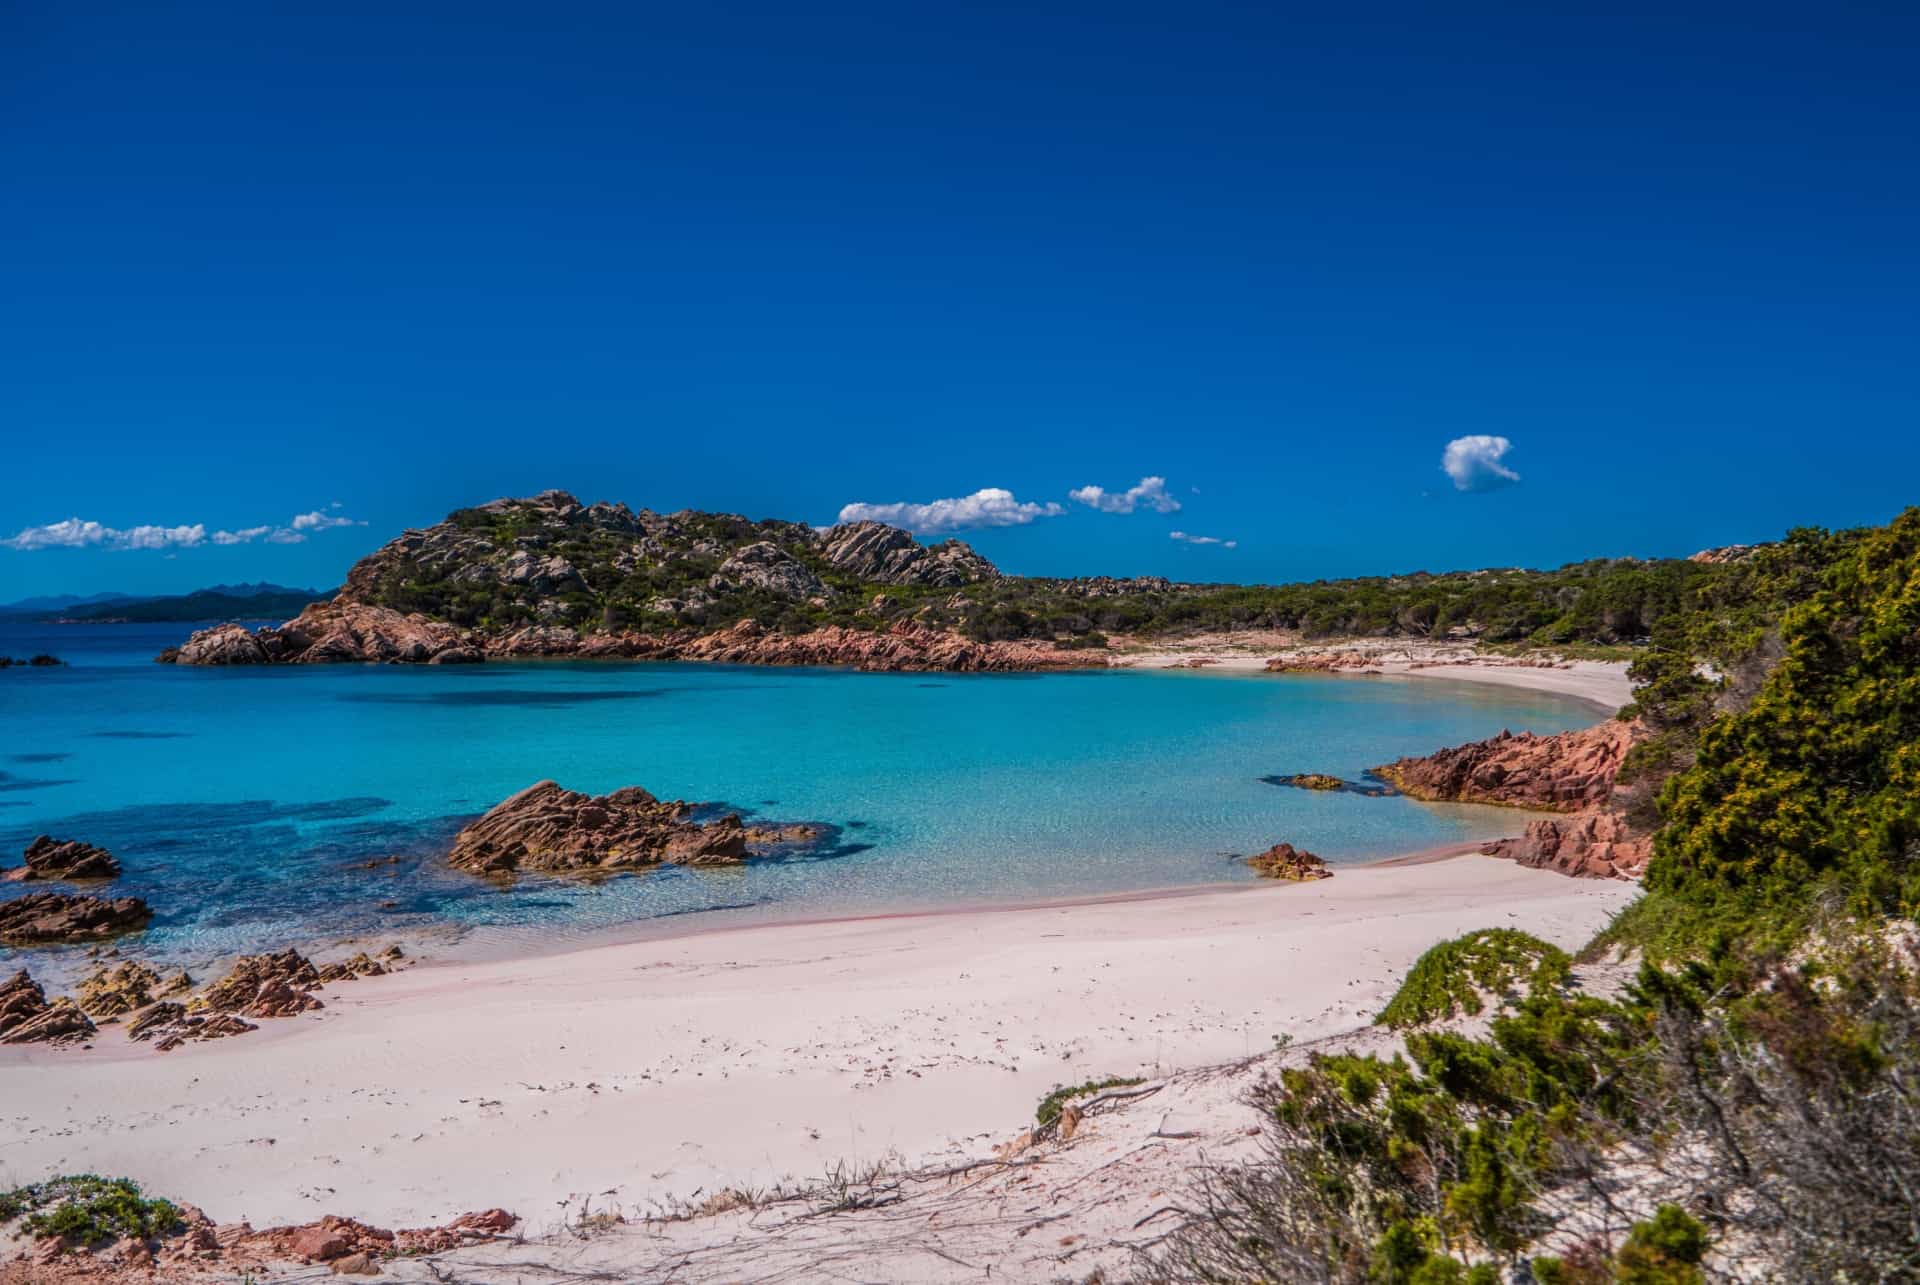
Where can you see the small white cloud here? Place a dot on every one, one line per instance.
(280, 535)
(1474, 463)
(1187, 538)
(319, 520)
(989, 507)
(1151, 492)
(246, 535)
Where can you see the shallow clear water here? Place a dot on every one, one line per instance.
(243, 802)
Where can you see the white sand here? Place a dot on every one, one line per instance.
(1601, 683)
(643, 1071)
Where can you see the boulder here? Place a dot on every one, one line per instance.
(352, 969)
(770, 569)
(1596, 844)
(554, 830)
(265, 986)
(874, 551)
(169, 1025)
(65, 859)
(220, 645)
(117, 991)
(50, 918)
(27, 1016)
(1284, 861)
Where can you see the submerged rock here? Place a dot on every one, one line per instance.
(49, 918)
(1284, 861)
(65, 859)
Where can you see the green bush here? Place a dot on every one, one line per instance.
(1451, 978)
(89, 1211)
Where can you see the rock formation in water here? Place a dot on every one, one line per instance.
(550, 577)
(27, 1016)
(1284, 861)
(553, 830)
(64, 859)
(50, 918)
(1562, 773)
(1574, 773)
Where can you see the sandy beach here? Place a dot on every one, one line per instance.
(1602, 684)
(648, 1072)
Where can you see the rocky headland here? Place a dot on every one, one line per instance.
(549, 577)
(1574, 772)
(549, 829)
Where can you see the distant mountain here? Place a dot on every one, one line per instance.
(59, 602)
(221, 602)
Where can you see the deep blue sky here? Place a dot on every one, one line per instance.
(779, 259)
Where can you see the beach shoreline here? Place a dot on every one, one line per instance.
(1602, 685)
(657, 1069)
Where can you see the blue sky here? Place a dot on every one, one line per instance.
(368, 263)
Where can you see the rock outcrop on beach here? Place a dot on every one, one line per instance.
(128, 987)
(1562, 773)
(51, 918)
(265, 986)
(27, 1016)
(1573, 772)
(1598, 843)
(1324, 662)
(553, 830)
(1284, 861)
(64, 859)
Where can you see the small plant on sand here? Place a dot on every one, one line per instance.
(1452, 977)
(90, 1211)
(1048, 1112)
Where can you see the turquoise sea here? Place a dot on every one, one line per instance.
(245, 803)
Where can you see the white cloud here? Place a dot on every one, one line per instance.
(990, 506)
(1186, 538)
(1474, 463)
(320, 520)
(79, 533)
(1151, 492)
(245, 535)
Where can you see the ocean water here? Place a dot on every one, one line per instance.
(246, 803)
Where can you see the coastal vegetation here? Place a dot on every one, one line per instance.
(551, 561)
(1453, 977)
(89, 1211)
(1047, 1114)
(1749, 1097)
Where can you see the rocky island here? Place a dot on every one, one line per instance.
(551, 577)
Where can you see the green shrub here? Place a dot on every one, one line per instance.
(1048, 1112)
(89, 1211)
(1452, 977)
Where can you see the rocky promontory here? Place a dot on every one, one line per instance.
(27, 1016)
(551, 577)
(1574, 773)
(552, 830)
(1562, 773)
